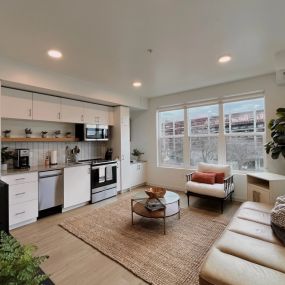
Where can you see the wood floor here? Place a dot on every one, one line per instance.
(72, 262)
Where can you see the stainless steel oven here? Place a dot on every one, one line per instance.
(103, 180)
(87, 132)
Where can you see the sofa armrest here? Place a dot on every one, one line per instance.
(189, 176)
(228, 184)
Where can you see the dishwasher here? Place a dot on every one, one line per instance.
(50, 192)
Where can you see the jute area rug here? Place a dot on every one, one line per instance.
(174, 258)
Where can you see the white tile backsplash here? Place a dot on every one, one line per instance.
(88, 150)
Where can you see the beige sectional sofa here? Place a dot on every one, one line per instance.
(247, 253)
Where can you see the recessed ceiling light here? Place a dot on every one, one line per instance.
(55, 53)
(225, 59)
(137, 84)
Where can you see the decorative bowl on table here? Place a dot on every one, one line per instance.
(155, 192)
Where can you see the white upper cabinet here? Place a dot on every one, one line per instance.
(16, 104)
(96, 114)
(89, 113)
(111, 116)
(72, 111)
(46, 108)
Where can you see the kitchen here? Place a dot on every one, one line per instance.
(65, 161)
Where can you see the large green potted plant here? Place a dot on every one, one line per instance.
(18, 265)
(277, 127)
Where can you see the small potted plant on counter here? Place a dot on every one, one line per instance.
(57, 133)
(28, 132)
(7, 133)
(68, 134)
(137, 154)
(18, 263)
(5, 156)
(74, 152)
(44, 134)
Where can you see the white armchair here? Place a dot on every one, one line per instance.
(216, 191)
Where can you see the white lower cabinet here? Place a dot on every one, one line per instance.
(137, 173)
(76, 185)
(23, 198)
(23, 212)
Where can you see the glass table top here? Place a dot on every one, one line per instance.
(169, 197)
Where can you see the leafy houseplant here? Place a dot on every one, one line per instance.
(68, 134)
(57, 133)
(18, 266)
(28, 132)
(5, 156)
(7, 133)
(277, 126)
(136, 153)
(44, 134)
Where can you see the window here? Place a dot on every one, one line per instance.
(244, 131)
(228, 132)
(203, 133)
(171, 135)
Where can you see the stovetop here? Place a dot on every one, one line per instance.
(97, 161)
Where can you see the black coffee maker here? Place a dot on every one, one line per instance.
(22, 158)
(109, 154)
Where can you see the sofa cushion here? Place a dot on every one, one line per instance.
(257, 206)
(253, 229)
(214, 190)
(221, 268)
(207, 167)
(253, 250)
(202, 177)
(255, 216)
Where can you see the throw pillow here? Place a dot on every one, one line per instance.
(220, 176)
(203, 177)
(278, 219)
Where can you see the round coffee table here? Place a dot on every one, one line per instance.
(170, 203)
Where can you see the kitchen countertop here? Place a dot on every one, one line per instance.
(41, 168)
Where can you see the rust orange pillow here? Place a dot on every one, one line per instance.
(220, 176)
(204, 177)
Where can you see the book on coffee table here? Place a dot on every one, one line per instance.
(154, 205)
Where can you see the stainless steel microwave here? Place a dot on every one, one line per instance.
(87, 132)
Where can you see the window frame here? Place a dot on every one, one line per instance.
(221, 135)
(159, 137)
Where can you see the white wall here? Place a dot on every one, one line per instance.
(17, 74)
(145, 123)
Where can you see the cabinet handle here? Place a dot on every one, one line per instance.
(20, 213)
(18, 179)
(30, 112)
(22, 193)
(82, 118)
(58, 115)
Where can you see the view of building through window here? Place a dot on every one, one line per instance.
(241, 139)
(244, 128)
(171, 124)
(203, 133)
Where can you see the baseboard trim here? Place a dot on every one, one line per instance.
(74, 207)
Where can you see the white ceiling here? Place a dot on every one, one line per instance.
(105, 41)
